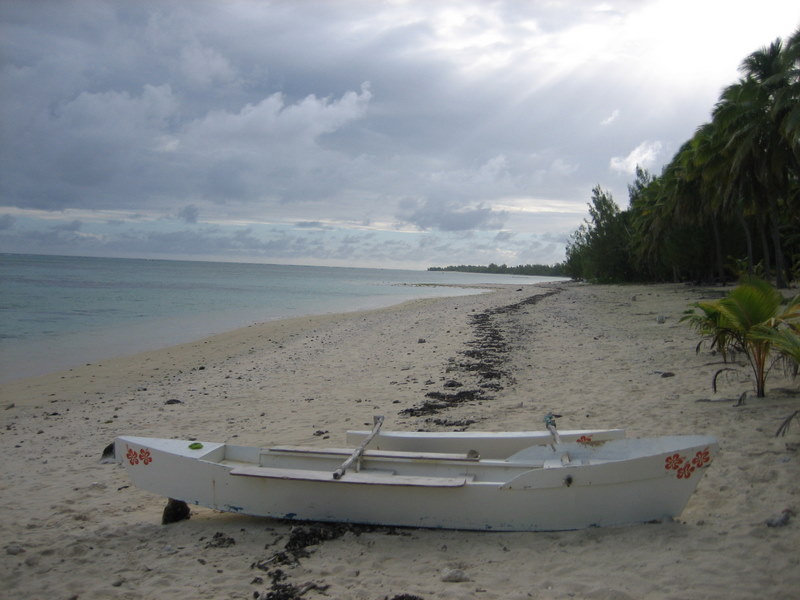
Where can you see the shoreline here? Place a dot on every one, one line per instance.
(158, 334)
(216, 348)
(595, 354)
(90, 309)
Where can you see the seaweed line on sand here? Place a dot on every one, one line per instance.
(295, 549)
(484, 360)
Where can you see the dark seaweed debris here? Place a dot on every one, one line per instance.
(294, 549)
(440, 401)
(484, 360)
(463, 423)
(299, 539)
(220, 540)
(287, 591)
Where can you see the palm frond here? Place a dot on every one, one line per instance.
(784, 428)
(717, 374)
(785, 340)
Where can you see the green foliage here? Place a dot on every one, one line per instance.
(557, 270)
(751, 320)
(785, 341)
(600, 249)
(730, 195)
(784, 335)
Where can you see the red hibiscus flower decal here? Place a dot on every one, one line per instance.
(132, 456)
(674, 462)
(702, 458)
(584, 439)
(685, 471)
(144, 455)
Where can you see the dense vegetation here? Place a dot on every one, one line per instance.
(543, 270)
(727, 204)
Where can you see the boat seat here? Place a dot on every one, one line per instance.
(362, 477)
(558, 461)
(437, 456)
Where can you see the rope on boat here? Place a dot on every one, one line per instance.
(550, 423)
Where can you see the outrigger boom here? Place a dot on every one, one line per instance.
(358, 452)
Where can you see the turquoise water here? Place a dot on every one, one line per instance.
(57, 311)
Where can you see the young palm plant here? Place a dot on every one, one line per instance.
(752, 321)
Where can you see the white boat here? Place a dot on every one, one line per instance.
(540, 488)
(488, 444)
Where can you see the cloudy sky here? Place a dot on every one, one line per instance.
(347, 132)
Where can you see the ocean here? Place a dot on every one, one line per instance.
(58, 312)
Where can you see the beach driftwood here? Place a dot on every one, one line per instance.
(356, 455)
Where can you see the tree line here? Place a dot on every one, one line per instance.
(726, 205)
(557, 270)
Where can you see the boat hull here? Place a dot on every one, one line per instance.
(522, 493)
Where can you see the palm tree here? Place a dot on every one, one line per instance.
(749, 320)
(708, 163)
(760, 157)
(687, 199)
(741, 170)
(647, 222)
(786, 106)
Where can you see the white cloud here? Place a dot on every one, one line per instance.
(644, 156)
(274, 121)
(611, 118)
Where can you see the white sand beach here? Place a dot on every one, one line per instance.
(73, 528)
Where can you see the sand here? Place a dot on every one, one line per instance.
(74, 528)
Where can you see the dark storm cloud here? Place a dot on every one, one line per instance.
(7, 221)
(189, 213)
(449, 216)
(310, 225)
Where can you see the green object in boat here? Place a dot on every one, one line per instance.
(195, 446)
